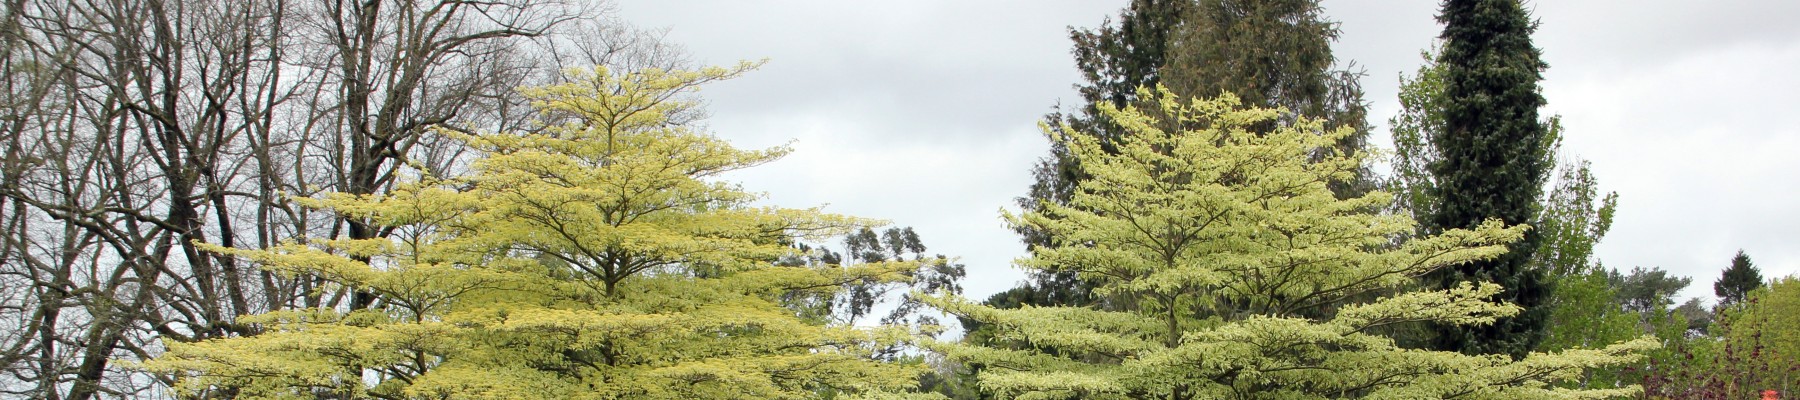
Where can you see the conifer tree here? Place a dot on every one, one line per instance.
(1272, 54)
(1238, 273)
(1115, 60)
(1738, 280)
(596, 257)
(1490, 164)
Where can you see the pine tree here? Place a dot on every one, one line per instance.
(1237, 273)
(596, 257)
(1490, 164)
(1736, 283)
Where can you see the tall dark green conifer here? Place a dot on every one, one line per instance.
(1491, 163)
(1735, 284)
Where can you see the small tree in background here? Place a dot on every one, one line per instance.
(1738, 280)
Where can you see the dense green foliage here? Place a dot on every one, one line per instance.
(1753, 347)
(1274, 54)
(1592, 305)
(1271, 53)
(1489, 164)
(1238, 273)
(1115, 60)
(420, 200)
(1420, 122)
(1766, 333)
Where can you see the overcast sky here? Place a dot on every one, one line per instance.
(924, 113)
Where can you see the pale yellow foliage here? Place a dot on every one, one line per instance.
(1238, 274)
(598, 257)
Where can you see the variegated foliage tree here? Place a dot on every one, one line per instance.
(1243, 277)
(598, 256)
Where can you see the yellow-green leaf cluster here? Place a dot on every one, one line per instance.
(596, 257)
(1231, 270)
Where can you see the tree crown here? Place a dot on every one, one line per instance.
(594, 257)
(1242, 274)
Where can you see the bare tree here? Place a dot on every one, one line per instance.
(131, 162)
(137, 129)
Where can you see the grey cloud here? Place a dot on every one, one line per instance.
(1684, 108)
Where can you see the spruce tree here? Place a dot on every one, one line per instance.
(1736, 283)
(1199, 48)
(1491, 164)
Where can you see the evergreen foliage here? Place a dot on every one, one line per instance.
(1274, 54)
(595, 257)
(1648, 291)
(1736, 283)
(1237, 273)
(1420, 122)
(1588, 315)
(1490, 164)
